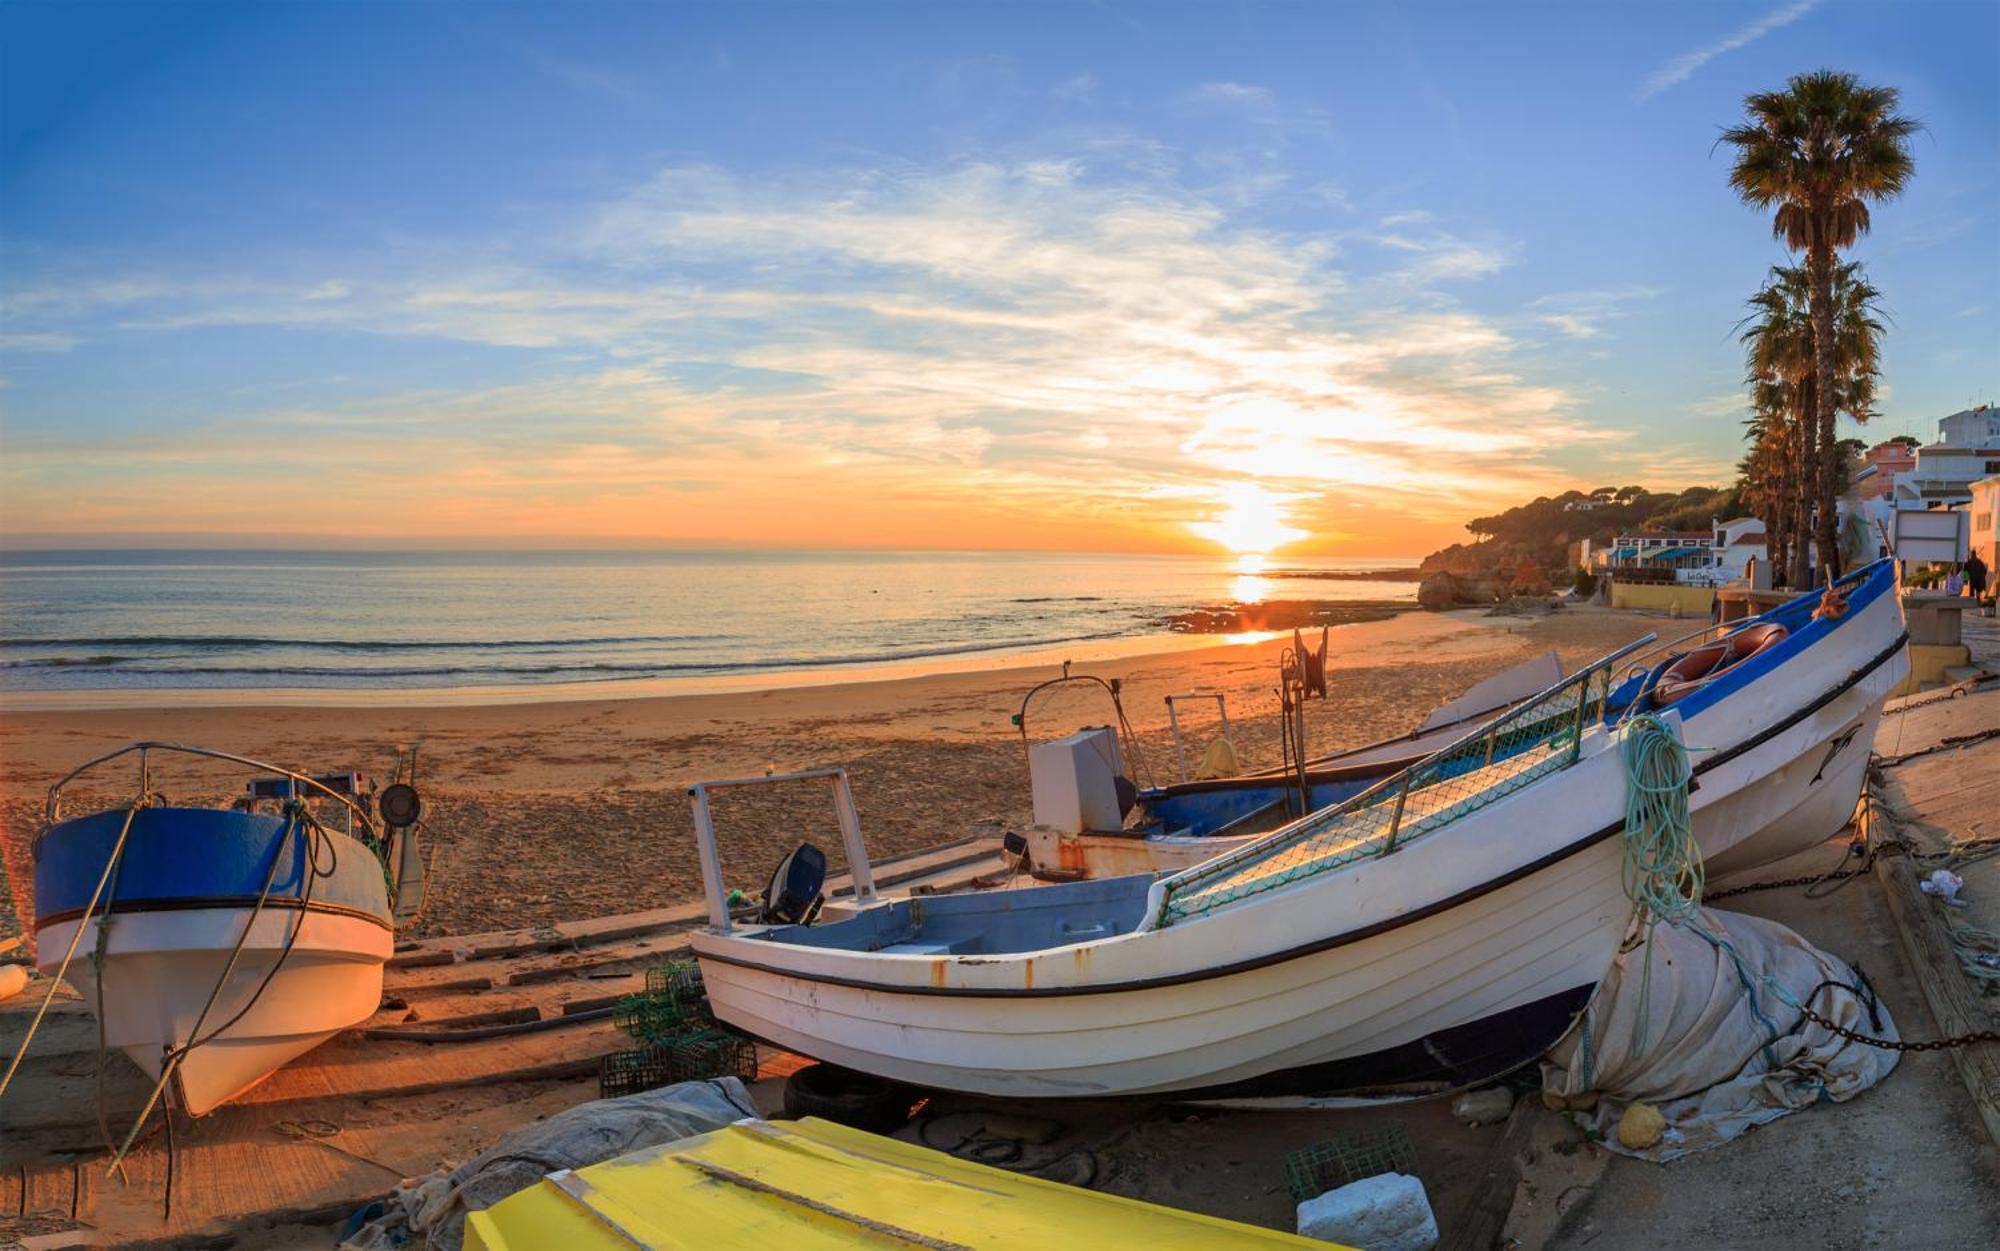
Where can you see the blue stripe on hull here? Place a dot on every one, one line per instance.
(188, 857)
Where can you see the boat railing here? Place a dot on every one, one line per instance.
(1539, 736)
(357, 815)
(1645, 661)
(845, 813)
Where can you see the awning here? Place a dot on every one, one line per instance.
(1668, 553)
(1625, 553)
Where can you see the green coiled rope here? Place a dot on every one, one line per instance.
(1663, 872)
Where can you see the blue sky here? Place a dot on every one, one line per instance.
(1045, 275)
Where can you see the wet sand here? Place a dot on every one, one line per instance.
(570, 808)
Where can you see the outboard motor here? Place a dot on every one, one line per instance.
(1014, 853)
(795, 895)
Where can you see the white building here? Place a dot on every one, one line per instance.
(1968, 449)
(1737, 543)
(1681, 551)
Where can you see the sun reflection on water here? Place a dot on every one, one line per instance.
(1249, 588)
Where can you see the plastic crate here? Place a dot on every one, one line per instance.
(1312, 1171)
(674, 1004)
(696, 1057)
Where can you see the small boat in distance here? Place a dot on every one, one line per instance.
(216, 944)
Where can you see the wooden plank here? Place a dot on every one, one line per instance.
(1927, 942)
(1477, 1224)
(568, 935)
(348, 1066)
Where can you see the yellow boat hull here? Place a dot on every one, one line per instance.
(811, 1184)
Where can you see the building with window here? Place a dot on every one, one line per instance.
(1968, 449)
(1881, 465)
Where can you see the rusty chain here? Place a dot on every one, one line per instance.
(1870, 853)
(1929, 1044)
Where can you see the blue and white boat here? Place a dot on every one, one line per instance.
(1442, 926)
(1178, 826)
(216, 944)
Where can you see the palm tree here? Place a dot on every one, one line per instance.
(1819, 152)
(1767, 474)
(1778, 351)
(1800, 460)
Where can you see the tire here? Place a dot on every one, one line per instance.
(846, 1097)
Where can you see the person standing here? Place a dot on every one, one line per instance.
(1954, 582)
(1975, 576)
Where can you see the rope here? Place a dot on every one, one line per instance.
(1663, 872)
(301, 823)
(55, 984)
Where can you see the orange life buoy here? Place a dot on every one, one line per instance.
(1705, 663)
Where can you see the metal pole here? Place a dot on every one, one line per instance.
(1396, 821)
(850, 836)
(711, 867)
(1180, 753)
(1582, 707)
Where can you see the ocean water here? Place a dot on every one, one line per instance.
(74, 620)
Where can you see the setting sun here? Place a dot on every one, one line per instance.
(1251, 524)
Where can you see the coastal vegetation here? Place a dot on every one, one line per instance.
(1537, 535)
(1816, 155)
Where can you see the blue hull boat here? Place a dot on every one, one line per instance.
(214, 945)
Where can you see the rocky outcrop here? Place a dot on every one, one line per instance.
(1441, 590)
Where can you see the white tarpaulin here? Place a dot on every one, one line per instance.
(430, 1211)
(1701, 1023)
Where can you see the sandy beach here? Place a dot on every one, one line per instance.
(568, 808)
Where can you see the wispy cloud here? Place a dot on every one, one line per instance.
(1726, 404)
(1234, 95)
(1584, 314)
(1077, 89)
(1683, 67)
(878, 344)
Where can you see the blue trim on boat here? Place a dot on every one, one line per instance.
(1861, 588)
(177, 858)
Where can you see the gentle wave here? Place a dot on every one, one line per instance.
(159, 667)
(66, 662)
(220, 642)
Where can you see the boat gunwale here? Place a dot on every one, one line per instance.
(196, 903)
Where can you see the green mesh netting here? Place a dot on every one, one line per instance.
(1533, 740)
(1312, 1171)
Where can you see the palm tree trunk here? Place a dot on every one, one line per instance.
(1825, 471)
(1778, 526)
(1804, 462)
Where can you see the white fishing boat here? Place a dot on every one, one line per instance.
(215, 945)
(1815, 769)
(1441, 927)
